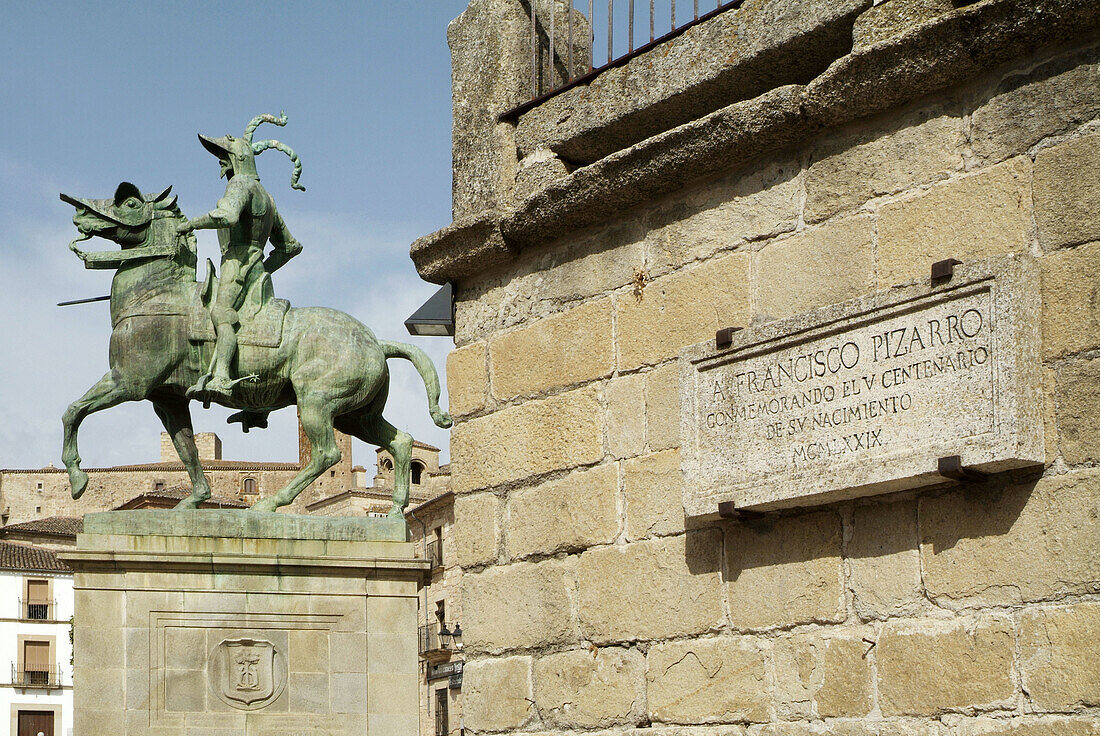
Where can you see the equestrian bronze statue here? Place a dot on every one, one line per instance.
(229, 341)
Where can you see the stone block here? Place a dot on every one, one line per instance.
(1029, 105)
(567, 348)
(888, 19)
(535, 437)
(490, 51)
(719, 680)
(823, 677)
(626, 415)
(682, 308)
(1067, 196)
(662, 407)
(1078, 411)
(497, 694)
(824, 265)
(785, 573)
(583, 688)
(1030, 726)
(862, 727)
(968, 218)
(1031, 542)
(467, 379)
(536, 172)
(927, 668)
(918, 148)
(476, 529)
(651, 487)
(1060, 657)
(1071, 300)
(524, 605)
(569, 513)
(655, 589)
(735, 209)
(884, 560)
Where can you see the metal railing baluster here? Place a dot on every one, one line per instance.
(630, 26)
(591, 36)
(553, 14)
(652, 12)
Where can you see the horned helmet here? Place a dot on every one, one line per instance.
(238, 155)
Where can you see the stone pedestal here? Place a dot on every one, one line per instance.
(211, 623)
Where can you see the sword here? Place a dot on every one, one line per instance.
(84, 301)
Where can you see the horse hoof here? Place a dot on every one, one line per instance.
(265, 504)
(191, 502)
(78, 480)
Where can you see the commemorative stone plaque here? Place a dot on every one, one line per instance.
(864, 397)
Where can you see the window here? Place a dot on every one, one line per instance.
(38, 509)
(417, 469)
(441, 712)
(38, 485)
(36, 656)
(37, 600)
(386, 464)
(158, 485)
(248, 487)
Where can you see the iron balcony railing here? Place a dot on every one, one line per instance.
(48, 678)
(37, 610)
(563, 37)
(433, 638)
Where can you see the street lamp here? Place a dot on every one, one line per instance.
(435, 317)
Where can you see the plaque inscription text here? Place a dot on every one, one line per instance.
(863, 397)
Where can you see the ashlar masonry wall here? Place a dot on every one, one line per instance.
(590, 604)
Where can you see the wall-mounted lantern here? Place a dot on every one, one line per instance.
(436, 317)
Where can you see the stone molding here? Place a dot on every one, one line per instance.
(946, 51)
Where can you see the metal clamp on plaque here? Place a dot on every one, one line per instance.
(866, 396)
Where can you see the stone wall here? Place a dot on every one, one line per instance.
(589, 603)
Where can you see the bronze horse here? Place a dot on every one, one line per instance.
(328, 363)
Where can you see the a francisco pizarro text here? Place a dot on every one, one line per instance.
(841, 395)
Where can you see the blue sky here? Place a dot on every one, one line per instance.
(98, 93)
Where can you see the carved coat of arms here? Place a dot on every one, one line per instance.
(245, 673)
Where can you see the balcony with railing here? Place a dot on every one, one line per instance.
(438, 640)
(34, 609)
(45, 678)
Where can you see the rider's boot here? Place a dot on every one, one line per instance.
(249, 419)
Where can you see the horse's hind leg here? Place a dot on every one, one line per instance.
(316, 418)
(373, 428)
(176, 417)
(106, 393)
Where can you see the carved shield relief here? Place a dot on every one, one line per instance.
(247, 674)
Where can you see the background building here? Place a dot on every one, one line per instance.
(777, 157)
(36, 605)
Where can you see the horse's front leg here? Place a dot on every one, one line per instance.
(106, 393)
(176, 418)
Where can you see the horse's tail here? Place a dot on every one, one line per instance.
(426, 369)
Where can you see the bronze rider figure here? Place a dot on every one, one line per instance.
(246, 220)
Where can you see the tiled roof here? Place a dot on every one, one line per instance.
(25, 557)
(206, 464)
(180, 492)
(65, 526)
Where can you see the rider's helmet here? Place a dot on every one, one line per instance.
(238, 155)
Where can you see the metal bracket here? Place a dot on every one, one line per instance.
(952, 467)
(723, 338)
(945, 269)
(729, 510)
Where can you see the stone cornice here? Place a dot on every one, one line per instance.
(947, 51)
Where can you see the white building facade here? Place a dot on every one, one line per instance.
(36, 608)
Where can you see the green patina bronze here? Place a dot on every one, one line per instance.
(230, 341)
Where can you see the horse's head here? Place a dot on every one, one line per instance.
(125, 219)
